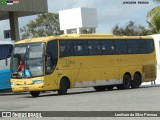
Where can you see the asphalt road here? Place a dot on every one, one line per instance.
(145, 98)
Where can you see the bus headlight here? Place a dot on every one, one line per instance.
(37, 81)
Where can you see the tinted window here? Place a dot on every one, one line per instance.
(66, 48)
(108, 47)
(52, 49)
(150, 46)
(121, 46)
(94, 47)
(5, 50)
(104, 47)
(51, 56)
(133, 46)
(143, 46)
(80, 47)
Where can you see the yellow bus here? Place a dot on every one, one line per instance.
(102, 61)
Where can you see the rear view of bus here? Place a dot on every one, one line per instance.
(5, 52)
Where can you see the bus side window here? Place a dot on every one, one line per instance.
(94, 47)
(150, 46)
(121, 47)
(66, 48)
(108, 47)
(143, 46)
(133, 46)
(5, 51)
(80, 48)
(51, 56)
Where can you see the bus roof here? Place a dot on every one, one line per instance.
(80, 36)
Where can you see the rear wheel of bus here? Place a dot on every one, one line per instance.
(35, 93)
(64, 85)
(126, 82)
(110, 87)
(136, 82)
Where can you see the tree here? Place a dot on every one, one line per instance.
(46, 24)
(131, 30)
(153, 17)
(155, 23)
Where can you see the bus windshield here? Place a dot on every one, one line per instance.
(27, 60)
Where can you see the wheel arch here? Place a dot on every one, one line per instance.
(128, 73)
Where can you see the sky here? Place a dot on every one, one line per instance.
(109, 12)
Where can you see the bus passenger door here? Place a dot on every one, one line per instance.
(51, 59)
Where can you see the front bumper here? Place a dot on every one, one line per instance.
(27, 88)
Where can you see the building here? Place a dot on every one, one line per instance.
(78, 19)
(12, 9)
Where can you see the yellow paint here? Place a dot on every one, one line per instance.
(89, 68)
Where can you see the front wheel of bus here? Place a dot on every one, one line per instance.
(63, 87)
(34, 93)
(136, 82)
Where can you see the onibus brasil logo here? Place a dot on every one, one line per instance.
(9, 2)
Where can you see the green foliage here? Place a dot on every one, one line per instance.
(153, 12)
(131, 30)
(153, 18)
(155, 23)
(46, 24)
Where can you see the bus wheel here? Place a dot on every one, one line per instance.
(136, 82)
(110, 87)
(126, 82)
(35, 93)
(63, 87)
(120, 87)
(100, 88)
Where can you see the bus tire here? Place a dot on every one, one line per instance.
(126, 82)
(100, 88)
(35, 93)
(63, 87)
(120, 87)
(110, 87)
(136, 82)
